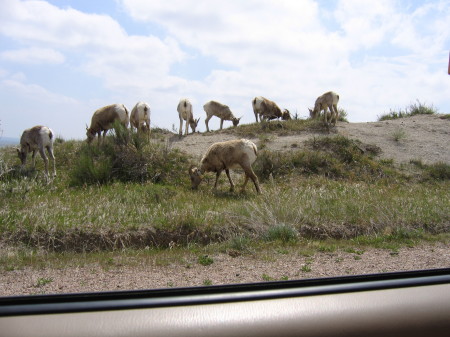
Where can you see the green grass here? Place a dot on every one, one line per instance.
(263, 129)
(131, 195)
(205, 260)
(413, 109)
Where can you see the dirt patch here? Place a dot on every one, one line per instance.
(420, 137)
(225, 269)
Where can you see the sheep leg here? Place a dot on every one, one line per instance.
(188, 118)
(50, 152)
(325, 113)
(221, 123)
(45, 159)
(33, 158)
(217, 178)
(181, 127)
(99, 136)
(245, 183)
(206, 122)
(250, 174)
(336, 113)
(227, 171)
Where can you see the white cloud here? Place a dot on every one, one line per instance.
(101, 45)
(33, 56)
(376, 55)
(16, 83)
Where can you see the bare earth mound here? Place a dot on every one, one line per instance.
(423, 137)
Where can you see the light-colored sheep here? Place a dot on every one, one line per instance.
(227, 155)
(140, 117)
(267, 109)
(213, 108)
(327, 101)
(104, 118)
(37, 138)
(185, 113)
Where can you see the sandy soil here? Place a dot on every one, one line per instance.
(423, 137)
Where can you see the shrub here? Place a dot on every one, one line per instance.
(128, 157)
(334, 157)
(398, 134)
(205, 260)
(342, 115)
(438, 171)
(419, 108)
(282, 232)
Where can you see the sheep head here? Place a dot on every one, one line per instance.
(236, 121)
(22, 156)
(286, 115)
(196, 177)
(89, 134)
(193, 124)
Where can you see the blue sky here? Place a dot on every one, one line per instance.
(61, 60)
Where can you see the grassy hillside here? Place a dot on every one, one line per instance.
(129, 193)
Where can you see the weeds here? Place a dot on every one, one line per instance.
(398, 134)
(267, 278)
(413, 109)
(128, 157)
(306, 268)
(205, 260)
(42, 282)
(282, 233)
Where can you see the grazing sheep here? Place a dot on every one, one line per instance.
(286, 115)
(327, 101)
(140, 117)
(213, 108)
(267, 109)
(37, 138)
(225, 156)
(184, 109)
(104, 118)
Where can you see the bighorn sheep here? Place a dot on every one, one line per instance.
(104, 118)
(213, 108)
(225, 156)
(267, 109)
(37, 138)
(327, 101)
(140, 117)
(184, 109)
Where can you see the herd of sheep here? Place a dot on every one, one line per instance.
(221, 156)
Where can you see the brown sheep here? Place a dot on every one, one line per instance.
(140, 117)
(213, 108)
(104, 118)
(327, 101)
(225, 156)
(37, 138)
(185, 113)
(267, 109)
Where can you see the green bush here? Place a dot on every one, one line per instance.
(438, 171)
(128, 157)
(282, 232)
(334, 157)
